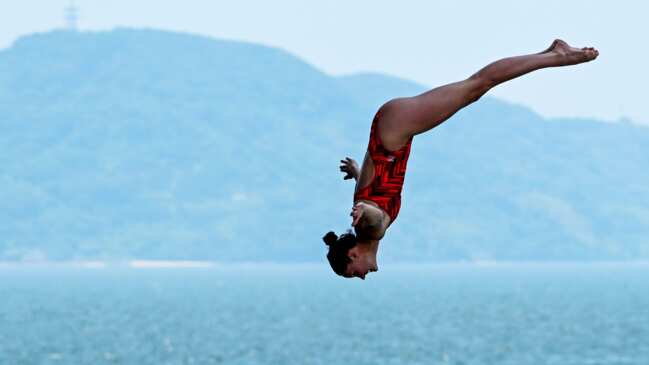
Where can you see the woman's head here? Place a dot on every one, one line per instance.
(345, 256)
(338, 250)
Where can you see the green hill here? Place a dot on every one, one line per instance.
(152, 144)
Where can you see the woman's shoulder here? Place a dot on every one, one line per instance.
(374, 222)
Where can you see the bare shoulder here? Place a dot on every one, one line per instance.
(391, 126)
(374, 222)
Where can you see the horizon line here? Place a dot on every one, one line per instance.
(209, 264)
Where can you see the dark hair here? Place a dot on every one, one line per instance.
(338, 248)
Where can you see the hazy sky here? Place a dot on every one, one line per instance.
(431, 42)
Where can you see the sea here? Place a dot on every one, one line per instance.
(275, 314)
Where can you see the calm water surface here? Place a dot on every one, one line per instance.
(435, 314)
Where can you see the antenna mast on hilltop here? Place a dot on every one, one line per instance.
(71, 16)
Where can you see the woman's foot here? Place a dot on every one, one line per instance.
(571, 55)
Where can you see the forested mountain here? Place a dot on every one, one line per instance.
(151, 144)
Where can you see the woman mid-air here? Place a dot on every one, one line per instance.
(377, 197)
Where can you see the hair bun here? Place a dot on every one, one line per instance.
(330, 238)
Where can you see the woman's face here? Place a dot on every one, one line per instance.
(360, 265)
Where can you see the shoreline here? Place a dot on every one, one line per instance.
(264, 265)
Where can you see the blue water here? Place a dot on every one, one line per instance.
(447, 314)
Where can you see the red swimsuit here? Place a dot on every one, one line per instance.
(389, 172)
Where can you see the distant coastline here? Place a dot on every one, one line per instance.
(193, 264)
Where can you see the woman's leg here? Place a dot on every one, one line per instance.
(405, 117)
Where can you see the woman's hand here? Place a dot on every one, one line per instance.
(350, 167)
(357, 213)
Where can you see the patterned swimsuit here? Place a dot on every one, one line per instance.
(389, 172)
